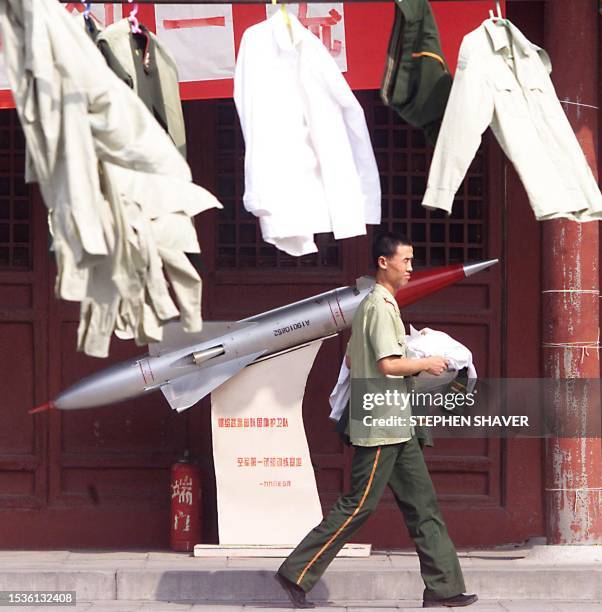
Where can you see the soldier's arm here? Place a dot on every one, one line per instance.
(389, 349)
(395, 365)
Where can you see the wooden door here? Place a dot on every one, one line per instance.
(23, 343)
(481, 497)
(101, 477)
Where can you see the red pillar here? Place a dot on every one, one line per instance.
(570, 283)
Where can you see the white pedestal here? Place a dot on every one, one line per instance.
(217, 550)
(266, 486)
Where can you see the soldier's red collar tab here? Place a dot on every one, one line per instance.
(390, 302)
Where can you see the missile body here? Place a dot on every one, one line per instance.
(187, 367)
(239, 344)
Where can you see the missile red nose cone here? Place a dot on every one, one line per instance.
(426, 282)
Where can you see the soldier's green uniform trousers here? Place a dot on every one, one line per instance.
(402, 467)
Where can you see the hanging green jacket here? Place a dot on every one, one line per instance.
(417, 80)
(151, 73)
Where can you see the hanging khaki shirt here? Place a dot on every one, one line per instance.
(502, 81)
(377, 332)
(118, 192)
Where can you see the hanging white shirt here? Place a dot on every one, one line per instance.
(502, 81)
(309, 162)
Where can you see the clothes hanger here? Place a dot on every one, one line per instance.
(136, 30)
(134, 23)
(88, 16)
(498, 17)
(287, 19)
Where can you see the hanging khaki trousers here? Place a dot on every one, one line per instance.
(402, 467)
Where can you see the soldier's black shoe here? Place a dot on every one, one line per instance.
(457, 601)
(295, 594)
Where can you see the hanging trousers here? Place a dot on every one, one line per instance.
(402, 467)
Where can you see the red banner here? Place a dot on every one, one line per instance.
(367, 28)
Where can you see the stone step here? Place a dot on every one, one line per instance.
(542, 573)
(346, 580)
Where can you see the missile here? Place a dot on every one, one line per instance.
(187, 367)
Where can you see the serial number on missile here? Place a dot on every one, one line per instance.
(290, 328)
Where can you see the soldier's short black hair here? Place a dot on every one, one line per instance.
(385, 244)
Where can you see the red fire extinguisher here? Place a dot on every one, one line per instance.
(185, 505)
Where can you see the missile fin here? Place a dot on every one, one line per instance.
(184, 392)
(174, 337)
(295, 348)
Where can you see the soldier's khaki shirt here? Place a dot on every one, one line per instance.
(376, 332)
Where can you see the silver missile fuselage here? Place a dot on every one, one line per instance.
(187, 367)
(242, 343)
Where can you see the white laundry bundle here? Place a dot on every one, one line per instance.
(309, 164)
(424, 343)
(431, 342)
(118, 192)
(341, 393)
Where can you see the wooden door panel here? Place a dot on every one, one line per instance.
(325, 445)
(118, 454)
(468, 473)
(104, 467)
(115, 486)
(145, 425)
(15, 486)
(18, 374)
(23, 313)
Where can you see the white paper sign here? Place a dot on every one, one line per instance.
(200, 37)
(326, 21)
(266, 488)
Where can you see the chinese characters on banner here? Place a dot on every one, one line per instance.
(253, 422)
(269, 461)
(201, 37)
(326, 21)
(103, 13)
(262, 465)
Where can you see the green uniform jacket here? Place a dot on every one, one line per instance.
(152, 75)
(417, 81)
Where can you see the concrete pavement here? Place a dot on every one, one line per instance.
(480, 606)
